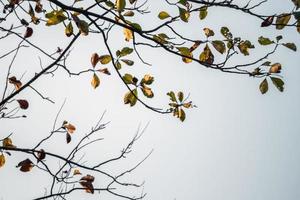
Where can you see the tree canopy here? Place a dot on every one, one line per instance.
(123, 34)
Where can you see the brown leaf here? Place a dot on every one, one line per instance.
(88, 186)
(268, 21)
(70, 128)
(68, 138)
(2, 160)
(23, 103)
(26, 165)
(105, 71)
(13, 80)
(28, 32)
(88, 178)
(94, 59)
(7, 142)
(41, 155)
(275, 68)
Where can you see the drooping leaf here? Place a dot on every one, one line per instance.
(94, 59)
(278, 38)
(282, 20)
(23, 103)
(268, 21)
(41, 155)
(105, 59)
(128, 78)
(69, 29)
(95, 82)
(105, 71)
(55, 17)
(298, 26)
(219, 46)
(28, 32)
(25, 165)
(181, 114)
(264, 41)
(184, 14)
(163, 15)
(120, 5)
(129, 98)
(2, 160)
(275, 68)
(128, 13)
(128, 34)
(195, 46)
(291, 46)
(203, 12)
(278, 83)
(206, 55)
(263, 87)
(180, 96)
(68, 138)
(70, 127)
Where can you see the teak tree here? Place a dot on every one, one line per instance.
(20, 19)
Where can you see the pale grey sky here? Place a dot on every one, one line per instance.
(237, 145)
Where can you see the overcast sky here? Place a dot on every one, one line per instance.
(236, 145)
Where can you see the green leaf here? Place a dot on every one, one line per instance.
(282, 20)
(69, 30)
(264, 41)
(278, 38)
(208, 32)
(128, 13)
(297, 15)
(180, 96)
(297, 3)
(172, 96)
(83, 27)
(109, 4)
(185, 52)
(105, 59)
(278, 83)
(184, 14)
(118, 65)
(291, 46)
(181, 114)
(127, 62)
(55, 17)
(163, 15)
(219, 46)
(263, 87)
(244, 47)
(203, 12)
(120, 5)
(128, 78)
(125, 51)
(129, 98)
(182, 2)
(226, 33)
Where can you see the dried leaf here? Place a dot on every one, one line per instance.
(88, 186)
(69, 29)
(41, 155)
(275, 68)
(95, 81)
(105, 71)
(268, 21)
(70, 128)
(263, 87)
(13, 80)
(208, 32)
(76, 172)
(68, 138)
(23, 103)
(128, 34)
(28, 32)
(2, 160)
(7, 142)
(26, 165)
(105, 59)
(94, 59)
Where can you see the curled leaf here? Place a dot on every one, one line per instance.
(13, 80)
(25, 165)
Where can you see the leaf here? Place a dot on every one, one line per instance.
(105, 71)
(275, 68)
(298, 26)
(291, 46)
(195, 46)
(28, 32)
(70, 128)
(68, 138)
(148, 79)
(129, 98)
(132, 1)
(23, 103)
(127, 62)
(2, 160)
(128, 34)
(76, 172)
(55, 17)
(282, 20)
(25, 165)
(278, 83)
(41, 155)
(125, 51)
(118, 65)
(244, 47)
(184, 14)
(172, 96)
(180, 96)
(94, 59)
(181, 114)
(206, 55)
(297, 3)
(264, 41)
(129, 13)
(268, 21)
(83, 27)
(203, 12)
(187, 105)
(208, 32)
(147, 91)
(120, 5)
(88, 178)
(225, 32)
(219, 46)
(186, 52)
(69, 29)
(163, 15)
(105, 59)
(7, 142)
(13, 80)
(128, 78)
(278, 38)
(95, 81)
(297, 15)
(263, 87)
(88, 186)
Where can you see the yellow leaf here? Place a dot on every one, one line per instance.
(95, 81)
(120, 5)
(76, 172)
(128, 34)
(2, 160)
(147, 91)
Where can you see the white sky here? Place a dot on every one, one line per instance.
(238, 144)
